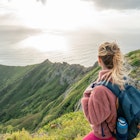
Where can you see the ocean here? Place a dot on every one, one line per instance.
(72, 47)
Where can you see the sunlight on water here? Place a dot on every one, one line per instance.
(46, 43)
(60, 47)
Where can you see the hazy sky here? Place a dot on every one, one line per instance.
(28, 26)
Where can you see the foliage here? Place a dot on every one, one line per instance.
(70, 126)
(32, 92)
(133, 58)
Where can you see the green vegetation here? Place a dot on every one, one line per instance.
(133, 59)
(71, 126)
(34, 95)
(42, 101)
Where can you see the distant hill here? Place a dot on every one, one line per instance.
(133, 62)
(33, 96)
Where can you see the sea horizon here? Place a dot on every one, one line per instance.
(85, 56)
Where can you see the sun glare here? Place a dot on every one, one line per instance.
(55, 14)
(62, 15)
(46, 43)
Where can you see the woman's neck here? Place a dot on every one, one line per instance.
(104, 68)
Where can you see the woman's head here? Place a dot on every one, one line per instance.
(110, 54)
(111, 58)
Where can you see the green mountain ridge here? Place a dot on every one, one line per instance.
(34, 97)
(33, 92)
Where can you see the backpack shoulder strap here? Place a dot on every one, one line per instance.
(113, 87)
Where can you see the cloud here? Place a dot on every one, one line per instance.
(8, 19)
(43, 1)
(118, 4)
(10, 50)
(14, 34)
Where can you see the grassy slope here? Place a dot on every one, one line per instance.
(10, 74)
(34, 92)
(133, 59)
(71, 126)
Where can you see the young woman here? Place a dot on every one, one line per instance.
(99, 103)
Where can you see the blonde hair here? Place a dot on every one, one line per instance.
(113, 60)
